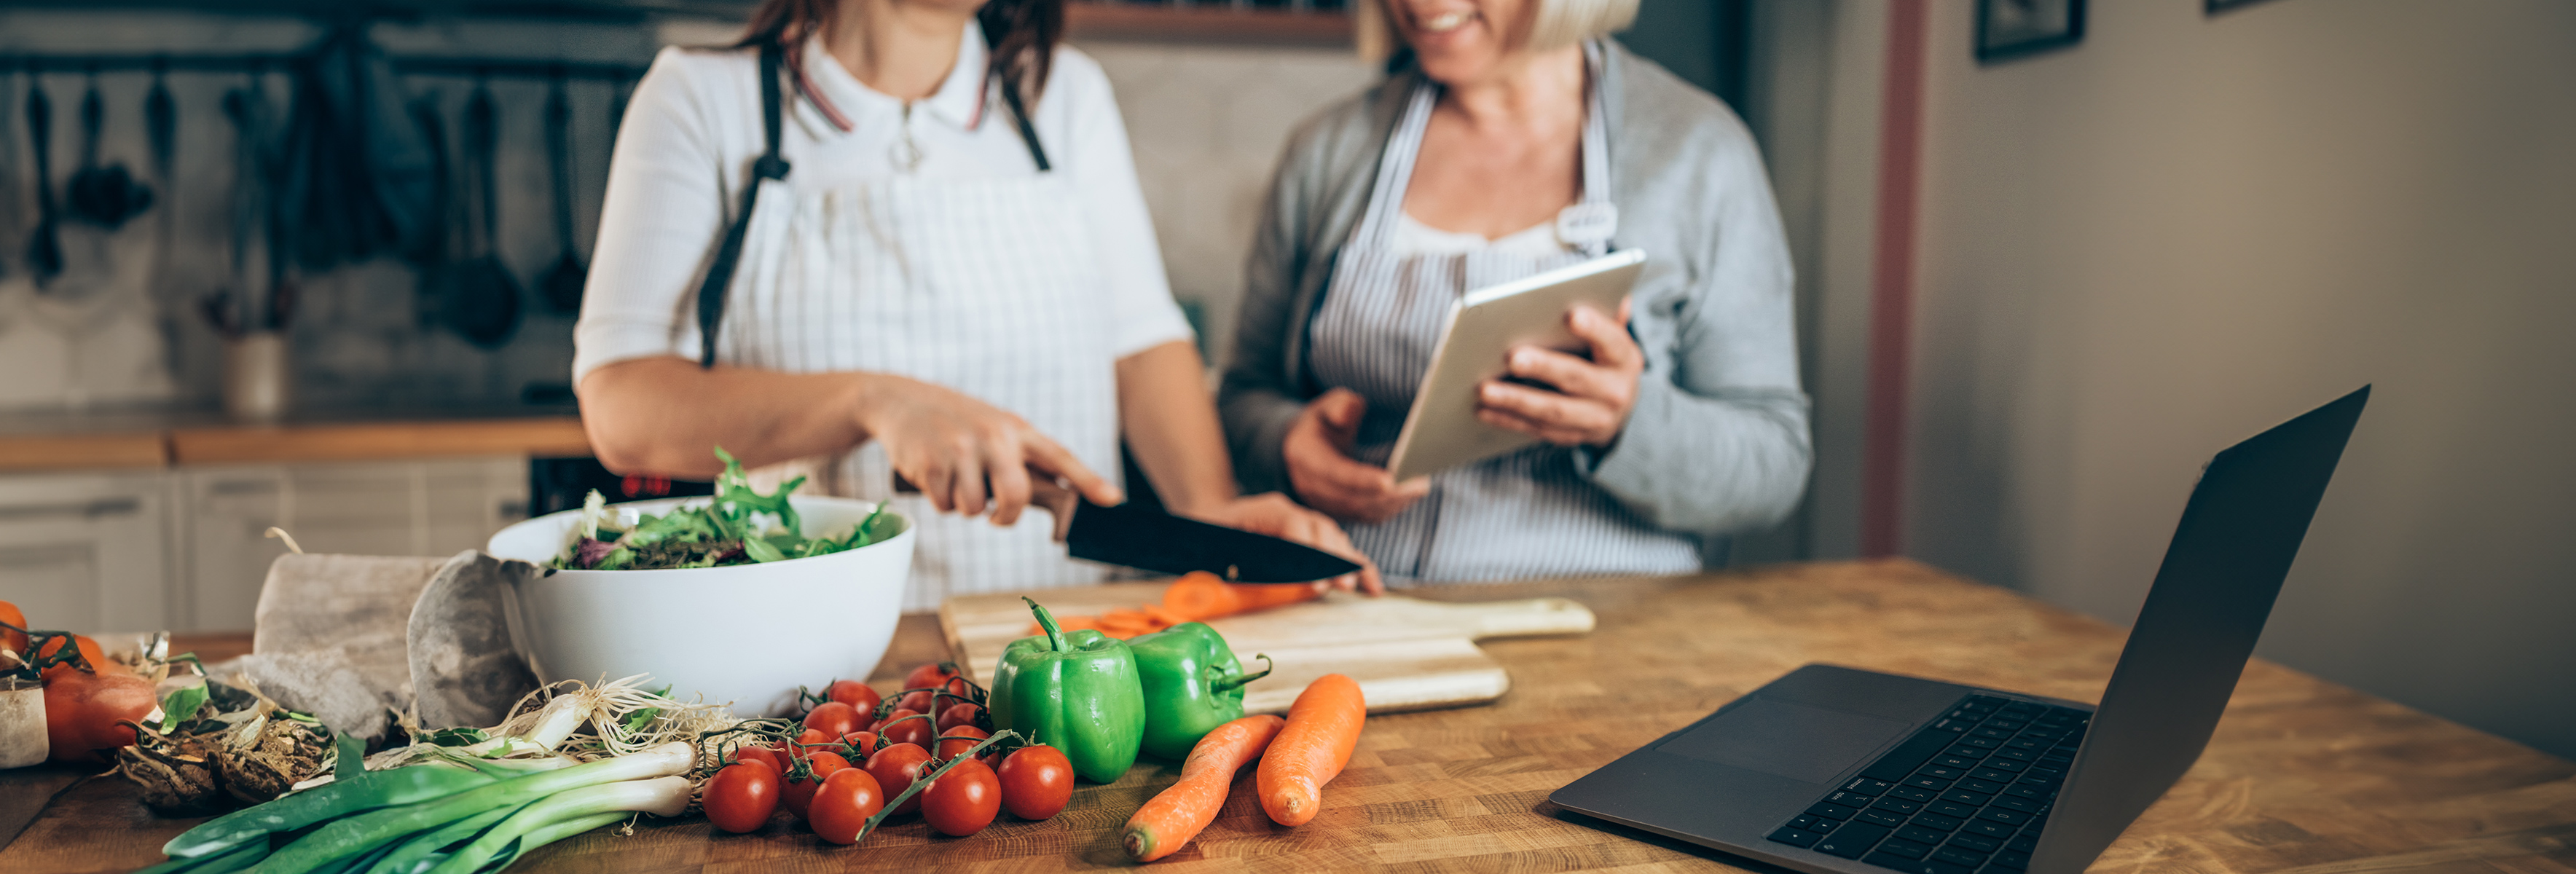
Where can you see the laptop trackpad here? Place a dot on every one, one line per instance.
(1808, 744)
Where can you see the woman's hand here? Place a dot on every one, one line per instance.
(959, 450)
(1274, 514)
(1592, 398)
(1317, 450)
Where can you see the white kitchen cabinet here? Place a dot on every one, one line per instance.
(88, 551)
(362, 508)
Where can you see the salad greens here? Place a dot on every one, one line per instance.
(741, 526)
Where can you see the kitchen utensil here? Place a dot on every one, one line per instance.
(45, 246)
(1406, 653)
(1146, 538)
(826, 616)
(258, 384)
(102, 195)
(1141, 537)
(561, 286)
(161, 132)
(480, 297)
(257, 261)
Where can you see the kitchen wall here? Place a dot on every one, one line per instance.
(2187, 228)
(121, 324)
(1207, 124)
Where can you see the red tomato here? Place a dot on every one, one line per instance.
(1036, 782)
(832, 718)
(929, 675)
(895, 767)
(799, 792)
(82, 710)
(959, 714)
(742, 796)
(858, 695)
(956, 741)
(89, 652)
(898, 730)
(811, 737)
(964, 800)
(763, 754)
(13, 641)
(842, 806)
(864, 743)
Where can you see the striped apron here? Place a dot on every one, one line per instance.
(1531, 513)
(986, 286)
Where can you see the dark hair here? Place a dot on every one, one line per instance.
(1019, 35)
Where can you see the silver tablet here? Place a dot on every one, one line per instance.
(1441, 431)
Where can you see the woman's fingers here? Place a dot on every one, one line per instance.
(1611, 345)
(1568, 374)
(1009, 476)
(1548, 410)
(1057, 501)
(1057, 461)
(966, 482)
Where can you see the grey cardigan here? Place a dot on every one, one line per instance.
(1717, 442)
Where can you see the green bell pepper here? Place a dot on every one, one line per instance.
(1076, 691)
(1193, 683)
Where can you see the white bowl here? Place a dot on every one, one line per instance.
(747, 634)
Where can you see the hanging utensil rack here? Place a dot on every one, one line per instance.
(417, 65)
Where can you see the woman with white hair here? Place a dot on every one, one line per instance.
(1511, 138)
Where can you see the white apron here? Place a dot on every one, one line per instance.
(1526, 514)
(985, 286)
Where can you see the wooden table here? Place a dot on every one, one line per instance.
(2303, 776)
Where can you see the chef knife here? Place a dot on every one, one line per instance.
(1147, 538)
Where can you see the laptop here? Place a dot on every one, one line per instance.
(1833, 769)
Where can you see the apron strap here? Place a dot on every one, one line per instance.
(711, 291)
(1028, 132)
(1589, 223)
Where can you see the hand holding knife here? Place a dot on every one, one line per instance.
(1150, 539)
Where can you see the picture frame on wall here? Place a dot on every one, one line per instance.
(2008, 29)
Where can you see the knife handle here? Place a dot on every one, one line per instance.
(1044, 493)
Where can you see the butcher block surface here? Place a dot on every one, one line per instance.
(2304, 776)
(1406, 653)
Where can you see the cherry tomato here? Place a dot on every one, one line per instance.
(964, 800)
(763, 754)
(811, 737)
(842, 806)
(860, 696)
(956, 741)
(895, 767)
(832, 718)
(1036, 782)
(929, 675)
(864, 743)
(898, 730)
(797, 793)
(742, 796)
(957, 714)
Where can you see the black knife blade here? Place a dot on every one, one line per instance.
(1153, 540)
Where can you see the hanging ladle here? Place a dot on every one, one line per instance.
(562, 284)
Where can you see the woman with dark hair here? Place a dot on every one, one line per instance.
(888, 241)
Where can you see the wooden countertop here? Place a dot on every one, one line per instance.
(2303, 776)
(31, 442)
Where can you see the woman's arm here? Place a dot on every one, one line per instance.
(663, 416)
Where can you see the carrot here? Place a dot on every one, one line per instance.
(1199, 595)
(1176, 815)
(1323, 727)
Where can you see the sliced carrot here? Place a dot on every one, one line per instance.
(1323, 727)
(1199, 595)
(1177, 814)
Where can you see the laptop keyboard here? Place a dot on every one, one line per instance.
(1966, 794)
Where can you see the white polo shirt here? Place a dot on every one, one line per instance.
(693, 129)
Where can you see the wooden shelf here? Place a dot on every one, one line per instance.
(1119, 21)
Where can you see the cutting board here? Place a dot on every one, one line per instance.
(1406, 653)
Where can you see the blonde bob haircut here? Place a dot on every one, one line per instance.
(1558, 23)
